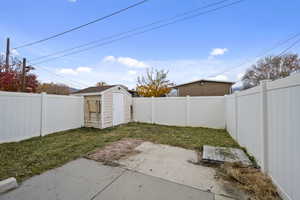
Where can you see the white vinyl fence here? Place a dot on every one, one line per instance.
(24, 115)
(266, 120)
(180, 111)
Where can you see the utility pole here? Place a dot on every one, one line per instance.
(23, 75)
(7, 54)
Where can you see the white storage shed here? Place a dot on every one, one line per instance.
(106, 106)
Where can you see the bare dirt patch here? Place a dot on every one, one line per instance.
(115, 151)
(251, 180)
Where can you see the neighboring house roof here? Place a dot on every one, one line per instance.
(94, 89)
(204, 80)
(133, 92)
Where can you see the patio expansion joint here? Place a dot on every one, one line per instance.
(109, 184)
(166, 180)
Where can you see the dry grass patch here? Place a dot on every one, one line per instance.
(115, 151)
(258, 185)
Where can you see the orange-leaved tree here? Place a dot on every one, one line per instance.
(153, 84)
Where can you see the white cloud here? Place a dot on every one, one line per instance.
(132, 72)
(127, 61)
(218, 51)
(68, 71)
(14, 52)
(240, 75)
(76, 71)
(84, 69)
(72, 1)
(109, 59)
(132, 62)
(220, 77)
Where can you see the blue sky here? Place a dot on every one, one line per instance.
(201, 47)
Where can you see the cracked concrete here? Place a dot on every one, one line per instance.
(84, 179)
(172, 163)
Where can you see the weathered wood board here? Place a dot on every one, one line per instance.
(223, 154)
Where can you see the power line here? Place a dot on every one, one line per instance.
(280, 43)
(260, 55)
(61, 76)
(289, 47)
(81, 26)
(130, 31)
(142, 32)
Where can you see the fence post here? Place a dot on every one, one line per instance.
(264, 124)
(225, 112)
(236, 112)
(43, 113)
(152, 110)
(82, 111)
(187, 121)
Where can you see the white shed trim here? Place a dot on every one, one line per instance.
(100, 93)
(102, 116)
(87, 94)
(112, 88)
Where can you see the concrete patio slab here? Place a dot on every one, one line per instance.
(172, 163)
(138, 186)
(81, 179)
(84, 179)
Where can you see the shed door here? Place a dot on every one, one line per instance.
(118, 109)
(92, 110)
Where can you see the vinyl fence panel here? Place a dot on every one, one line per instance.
(230, 115)
(20, 116)
(24, 115)
(207, 112)
(63, 113)
(169, 111)
(249, 119)
(266, 120)
(142, 110)
(284, 134)
(180, 111)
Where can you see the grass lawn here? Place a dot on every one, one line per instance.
(34, 156)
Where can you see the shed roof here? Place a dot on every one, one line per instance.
(204, 80)
(94, 89)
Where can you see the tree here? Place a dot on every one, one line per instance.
(154, 84)
(11, 76)
(52, 88)
(271, 67)
(101, 83)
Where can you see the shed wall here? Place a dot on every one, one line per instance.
(107, 106)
